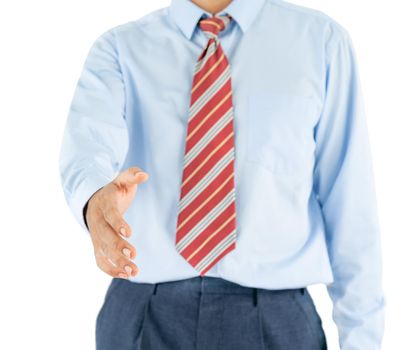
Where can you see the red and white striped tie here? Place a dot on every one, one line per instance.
(206, 226)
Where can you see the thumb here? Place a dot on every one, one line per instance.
(132, 176)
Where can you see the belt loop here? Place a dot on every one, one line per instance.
(302, 291)
(255, 296)
(155, 288)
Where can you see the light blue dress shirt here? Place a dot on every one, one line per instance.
(305, 197)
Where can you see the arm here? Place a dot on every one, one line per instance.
(95, 138)
(343, 183)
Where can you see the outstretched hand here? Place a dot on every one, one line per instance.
(107, 226)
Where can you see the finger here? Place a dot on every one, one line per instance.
(115, 265)
(121, 246)
(108, 245)
(106, 266)
(113, 217)
(117, 249)
(124, 264)
(132, 176)
(104, 236)
(102, 232)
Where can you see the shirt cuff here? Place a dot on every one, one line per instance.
(91, 184)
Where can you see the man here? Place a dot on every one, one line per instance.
(218, 153)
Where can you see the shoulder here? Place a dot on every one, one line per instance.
(327, 25)
(152, 18)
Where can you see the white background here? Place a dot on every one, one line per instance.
(51, 288)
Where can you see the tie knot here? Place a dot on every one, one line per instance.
(211, 26)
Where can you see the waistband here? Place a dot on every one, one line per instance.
(210, 284)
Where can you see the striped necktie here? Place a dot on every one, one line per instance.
(206, 226)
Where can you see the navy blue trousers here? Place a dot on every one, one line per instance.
(206, 313)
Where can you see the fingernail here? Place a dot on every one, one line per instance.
(127, 252)
(128, 269)
(122, 275)
(123, 231)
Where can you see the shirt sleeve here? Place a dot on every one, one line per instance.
(344, 186)
(95, 137)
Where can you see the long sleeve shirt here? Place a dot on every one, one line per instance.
(305, 194)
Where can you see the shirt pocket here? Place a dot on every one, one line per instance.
(280, 133)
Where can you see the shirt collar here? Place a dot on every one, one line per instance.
(186, 14)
